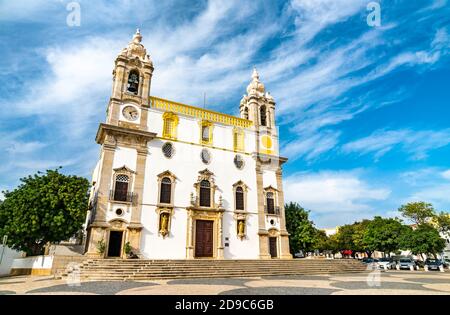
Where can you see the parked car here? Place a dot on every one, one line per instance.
(367, 260)
(299, 255)
(386, 263)
(406, 263)
(433, 264)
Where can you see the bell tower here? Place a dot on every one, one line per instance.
(259, 106)
(132, 76)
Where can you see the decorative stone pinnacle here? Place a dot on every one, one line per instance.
(137, 38)
(255, 74)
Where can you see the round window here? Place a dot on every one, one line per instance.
(168, 150)
(272, 222)
(119, 212)
(206, 156)
(239, 161)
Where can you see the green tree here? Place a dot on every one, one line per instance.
(425, 239)
(443, 222)
(384, 235)
(303, 234)
(419, 212)
(344, 237)
(44, 208)
(350, 237)
(321, 241)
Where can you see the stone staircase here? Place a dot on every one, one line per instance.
(118, 269)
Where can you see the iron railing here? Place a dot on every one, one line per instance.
(274, 210)
(117, 195)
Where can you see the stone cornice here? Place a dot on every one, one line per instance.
(105, 129)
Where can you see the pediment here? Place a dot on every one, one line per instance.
(124, 169)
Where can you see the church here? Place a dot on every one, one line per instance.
(174, 181)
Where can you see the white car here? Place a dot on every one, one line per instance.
(386, 263)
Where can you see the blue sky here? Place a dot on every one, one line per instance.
(364, 112)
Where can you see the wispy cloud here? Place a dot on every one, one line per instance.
(446, 174)
(334, 197)
(417, 144)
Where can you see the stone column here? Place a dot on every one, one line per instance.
(99, 225)
(220, 237)
(262, 232)
(189, 237)
(284, 235)
(135, 225)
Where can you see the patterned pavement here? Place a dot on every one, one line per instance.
(390, 282)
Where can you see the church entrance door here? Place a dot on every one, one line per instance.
(115, 244)
(273, 247)
(204, 238)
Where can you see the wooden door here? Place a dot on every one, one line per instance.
(273, 247)
(203, 238)
(115, 244)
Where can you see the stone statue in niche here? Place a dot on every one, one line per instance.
(164, 224)
(241, 228)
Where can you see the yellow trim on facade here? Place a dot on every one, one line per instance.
(170, 124)
(209, 140)
(160, 103)
(201, 145)
(238, 140)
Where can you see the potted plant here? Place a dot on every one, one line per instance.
(127, 249)
(101, 247)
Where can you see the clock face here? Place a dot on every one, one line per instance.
(130, 113)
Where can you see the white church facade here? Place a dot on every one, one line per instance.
(175, 181)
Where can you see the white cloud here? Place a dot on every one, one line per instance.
(332, 192)
(437, 194)
(416, 143)
(310, 148)
(446, 174)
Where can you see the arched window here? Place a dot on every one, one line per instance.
(121, 188)
(263, 115)
(270, 202)
(246, 113)
(166, 190)
(239, 198)
(133, 82)
(205, 194)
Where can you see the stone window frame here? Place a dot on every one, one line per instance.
(123, 170)
(174, 131)
(210, 125)
(238, 139)
(209, 176)
(173, 180)
(240, 215)
(271, 189)
(244, 187)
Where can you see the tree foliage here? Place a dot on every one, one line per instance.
(425, 239)
(385, 235)
(303, 234)
(419, 212)
(443, 222)
(48, 207)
